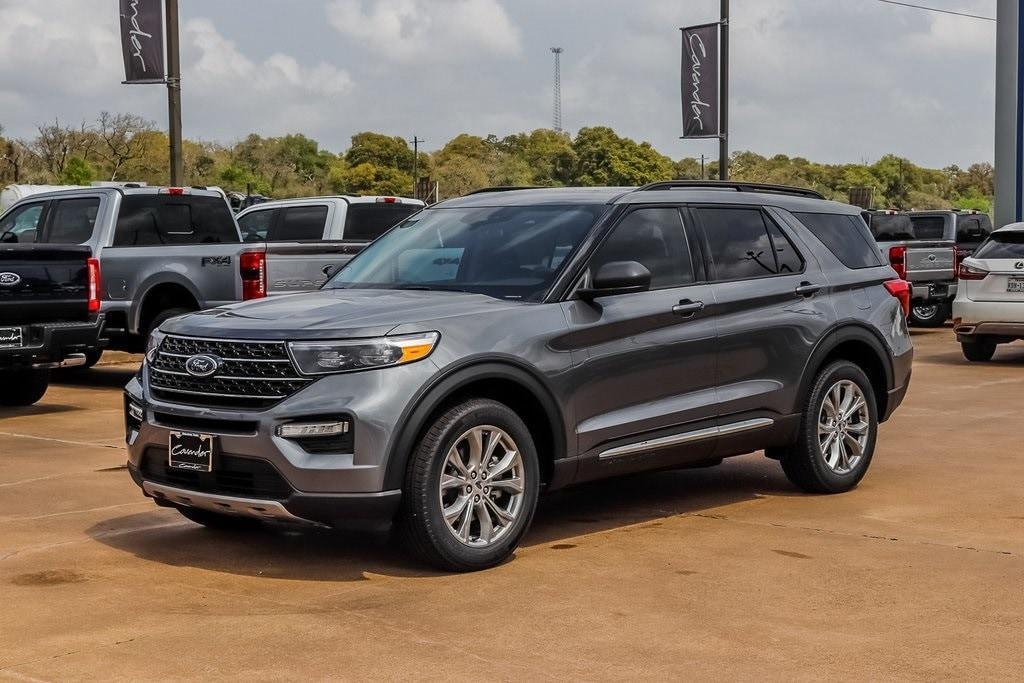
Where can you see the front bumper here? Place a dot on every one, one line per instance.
(258, 473)
(50, 343)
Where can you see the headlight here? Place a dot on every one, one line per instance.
(153, 344)
(321, 358)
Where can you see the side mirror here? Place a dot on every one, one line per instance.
(617, 277)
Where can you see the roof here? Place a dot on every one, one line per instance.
(348, 199)
(1011, 227)
(148, 189)
(630, 195)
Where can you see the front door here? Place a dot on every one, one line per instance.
(644, 389)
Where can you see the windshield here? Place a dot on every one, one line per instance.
(508, 252)
(1008, 244)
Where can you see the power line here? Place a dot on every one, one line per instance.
(936, 9)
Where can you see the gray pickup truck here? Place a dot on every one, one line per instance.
(291, 225)
(923, 252)
(162, 252)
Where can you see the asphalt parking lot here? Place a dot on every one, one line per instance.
(715, 573)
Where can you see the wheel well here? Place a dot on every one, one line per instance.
(162, 297)
(866, 358)
(522, 401)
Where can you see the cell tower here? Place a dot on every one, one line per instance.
(557, 114)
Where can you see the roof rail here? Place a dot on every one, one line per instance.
(729, 185)
(506, 188)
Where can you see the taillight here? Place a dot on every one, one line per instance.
(901, 290)
(966, 272)
(92, 267)
(176, 191)
(958, 257)
(387, 200)
(252, 266)
(898, 261)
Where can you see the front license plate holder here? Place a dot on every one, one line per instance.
(190, 451)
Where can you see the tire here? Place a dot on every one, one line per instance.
(161, 317)
(933, 314)
(486, 541)
(216, 520)
(805, 462)
(978, 350)
(91, 358)
(23, 387)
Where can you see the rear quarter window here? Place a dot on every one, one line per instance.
(845, 236)
(973, 229)
(366, 222)
(148, 220)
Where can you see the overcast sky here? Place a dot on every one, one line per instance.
(831, 80)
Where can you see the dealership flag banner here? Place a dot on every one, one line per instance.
(142, 40)
(700, 81)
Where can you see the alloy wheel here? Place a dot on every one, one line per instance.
(844, 426)
(482, 486)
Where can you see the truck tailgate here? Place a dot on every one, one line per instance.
(304, 266)
(43, 283)
(929, 262)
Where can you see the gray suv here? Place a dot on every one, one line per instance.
(511, 342)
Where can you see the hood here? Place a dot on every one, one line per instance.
(332, 314)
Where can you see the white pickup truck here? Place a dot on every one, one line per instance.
(295, 228)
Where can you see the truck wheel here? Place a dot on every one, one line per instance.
(837, 432)
(932, 314)
(978, 350)
(163, 316)
(216, 520)
(471, 487)
(23, 387)
(92, 358)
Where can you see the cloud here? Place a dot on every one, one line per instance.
(426, 30)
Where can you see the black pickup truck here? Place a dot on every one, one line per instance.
(49, 316)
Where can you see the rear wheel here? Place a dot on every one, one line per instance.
(92, 358)
(471, 487)
(23, 387)
(216, 520)
(931, 314)
(978, 350)
(837, 432)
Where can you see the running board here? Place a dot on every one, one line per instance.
(686, 437)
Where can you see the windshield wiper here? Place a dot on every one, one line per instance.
(430, 288)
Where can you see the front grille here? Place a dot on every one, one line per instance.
(251, 375)
(231, 476)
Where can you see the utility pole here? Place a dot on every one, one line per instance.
(556, 117)
(702, 158)
(174, 94)
(415, 166)
(723, 96)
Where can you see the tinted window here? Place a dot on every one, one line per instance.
(739, 243)
(929, 227)
(22, 224)
(256, 225)
(973, 228)
(845, 236)
(300, 223)
(510, 252)
(146, 219)
(1002, 245)
(891, 227)
(653, 237)
(72, 220)
(366, 222)
(787, 259)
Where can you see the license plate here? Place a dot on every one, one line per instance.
(11, 338)
(190, 451)
(1015, 284)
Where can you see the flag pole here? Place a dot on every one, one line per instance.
(723, 96)
(174, 95)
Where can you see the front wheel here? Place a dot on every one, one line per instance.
(837, 432)
(23, 387)
(978, 350)
(471, 487)
(931, 314)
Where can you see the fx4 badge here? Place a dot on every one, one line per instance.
(216, 261)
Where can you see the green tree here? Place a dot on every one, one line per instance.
(77, 171)
(604, 158)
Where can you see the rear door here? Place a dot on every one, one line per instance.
(1002, 255)
(771, 307)
(298, 258)
(645, 388)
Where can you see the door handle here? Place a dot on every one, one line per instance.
(807, 289)
(687, 308)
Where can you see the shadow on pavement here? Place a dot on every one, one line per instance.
(101, 377)
(1008, 355)
(37, 409)
(324, 555)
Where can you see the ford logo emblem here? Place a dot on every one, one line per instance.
(9, 279)
(202, 365)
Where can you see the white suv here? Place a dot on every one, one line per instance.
(989, 305)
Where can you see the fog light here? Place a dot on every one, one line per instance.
(299, 430)
(135, 412)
